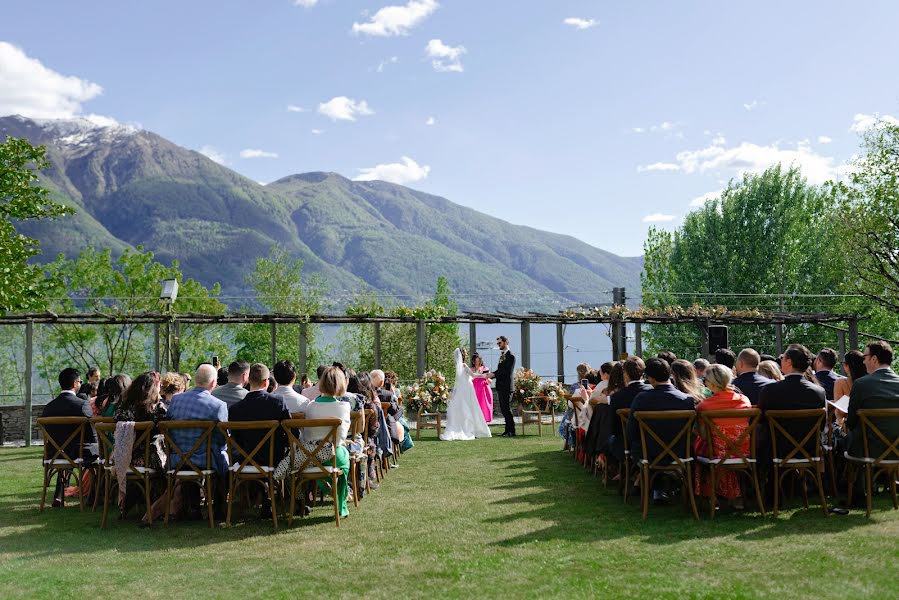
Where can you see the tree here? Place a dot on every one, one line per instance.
(22, 285)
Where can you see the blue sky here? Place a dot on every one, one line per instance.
(598, 126)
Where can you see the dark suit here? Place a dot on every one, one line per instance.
(260, 406)
(751, 384)
(827, 379)
(662, 397)
(67, 404)
(879, 389)
(622, 399)
(504, 374)
(795, 392)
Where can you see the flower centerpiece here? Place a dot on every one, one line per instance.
(552, 391)
(429, 394)
(527, 386)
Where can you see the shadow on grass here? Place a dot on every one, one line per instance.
(556, 489)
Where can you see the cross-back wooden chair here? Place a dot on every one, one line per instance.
(828, 447)
(737, 460)
(100, 472)
(181, 467)
(625, 466)
(876, 463)
(139, 475)
(668, 460)
(791, 456)
(246, 466)
(370, 413)
(305, 464)
(56, 461)
(427, 420)
(357, 428)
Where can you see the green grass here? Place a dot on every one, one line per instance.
(492, 518)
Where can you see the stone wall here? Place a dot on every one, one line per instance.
(13, 422)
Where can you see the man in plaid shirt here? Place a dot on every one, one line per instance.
(198, 404)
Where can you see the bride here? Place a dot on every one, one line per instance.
(464, 419)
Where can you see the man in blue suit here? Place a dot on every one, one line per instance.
(824, 364)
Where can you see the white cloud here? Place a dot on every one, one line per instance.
(659, 166)
(404, 172)
(445, 58)
(659, 218)
(30, 89)
(754, 104)
(431, 121)
(214, 154)
(397, 19)
(699, 201)
(255, 153)
(305, 3)
(390, 61)
(579, 23)
(669, 128)
(341, 108)
(863, 122)
(317, 131)
(823, 139)
(295, 108)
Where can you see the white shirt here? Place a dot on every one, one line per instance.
(295, 402)
(312, 392)
(324, 410)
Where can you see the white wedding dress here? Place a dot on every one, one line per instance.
(464, 419)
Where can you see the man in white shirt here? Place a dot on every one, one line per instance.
(313, 392)
(285, 375)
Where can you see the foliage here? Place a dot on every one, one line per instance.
(428, 394)
(22, 285)
(552, 390)
(527, 386)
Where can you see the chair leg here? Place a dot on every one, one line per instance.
(108, 481)
(689, 485)
(713, 499)
(98, 483)
(644, 491)
(293, 501)
(271, 497)
(354, 475)
(47, 477)
(892, 476)
(147, 500)
(776, 489)
(231, 491)
(804, 487)
(168, 500)
(758, 490)
(833, 475)
(869, 489)
(820, 484)
(334, 478)
(627, 478)
(80, 489)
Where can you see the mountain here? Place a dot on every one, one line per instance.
(132, 187)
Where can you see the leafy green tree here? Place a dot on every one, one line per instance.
(22, 285)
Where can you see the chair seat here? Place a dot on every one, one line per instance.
(61, 462)
(797, 461)
(189, 473)
(827, 448)
(865, 460)
(725, 461)
(316, 470)
(644, 461)
(251, 470)
(143, 471)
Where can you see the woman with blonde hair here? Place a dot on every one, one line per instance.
(171, 384)
(769, 369)
(685, 380)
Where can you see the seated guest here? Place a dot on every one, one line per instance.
(854, 368)
(795, 392)
(141, 400)
(771, 357)
(668, 356)
(748, 380)
(662, 397)
(115, 391)
(724, 397)
(771, 370)
(171, 384)
(272, 384)
(824, 364)
(685, 380)
(878, 389)
(599, 430)
(68, 404)
(566, 425)
(89, 391)
(313, 391)
(235, 390)
(700, 364)
(303, 383)
(259, 405)
(726, 357)
(286, 375)
(394, 412)
(633, 369)
(332, 384)
(222, 378)
(93, 375)
(391, 381)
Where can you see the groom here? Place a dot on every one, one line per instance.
(503, 375)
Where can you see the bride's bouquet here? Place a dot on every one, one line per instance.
(428, 394)
(527, 386)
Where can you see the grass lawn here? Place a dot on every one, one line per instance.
(490, 518)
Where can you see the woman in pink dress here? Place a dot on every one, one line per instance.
(482, 387)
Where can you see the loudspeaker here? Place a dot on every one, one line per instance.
(717, 337)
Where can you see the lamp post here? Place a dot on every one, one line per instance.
(168, 295)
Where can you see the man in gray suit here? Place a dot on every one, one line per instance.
(878, 389)
(234, 391)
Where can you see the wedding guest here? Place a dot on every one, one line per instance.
(234, 391)
(304, 382)
(141, 400)
(685, 380)
(482, 387)
(391, 381)
(726, 357)
(700, 364)
(222, 378)
(633, 369)
(770, 370)
(259, 405)
(854, 368)
(771, 357)
(286, 375)
(668, 356)
(724, 397)
(360, 385)
(824, 364)
(93, 375)
(878, 389)
(748, 380)
(312, 391)
(171, 384)
(89, 390)
(394, 412)
(115, 391)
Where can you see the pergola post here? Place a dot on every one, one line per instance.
(853, 333)
(638, 340)
(420, 348)
(274, 345)
(779, 338)
(560, 352)
(176, 351)
(156, 347)
(29, 362)
(526, 344)
(842, 345)
(303, 349)
(377, 341)
(472, 338)
(616, 339)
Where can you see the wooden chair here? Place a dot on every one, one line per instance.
(542, 407)
(370, 413)
(357, 428)
(56, 461)
(427, 420)
(310, 468)
(668, 460)
(99, 471)
(828, 447)
(626, 466)
(245, 467)
(793, 457)
(139, 475)
(182, 469)
(885, 463)
(738, 461)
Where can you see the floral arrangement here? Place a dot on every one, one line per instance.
(552, 391)
(695, 311)
(527, 385)
(428, 394)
